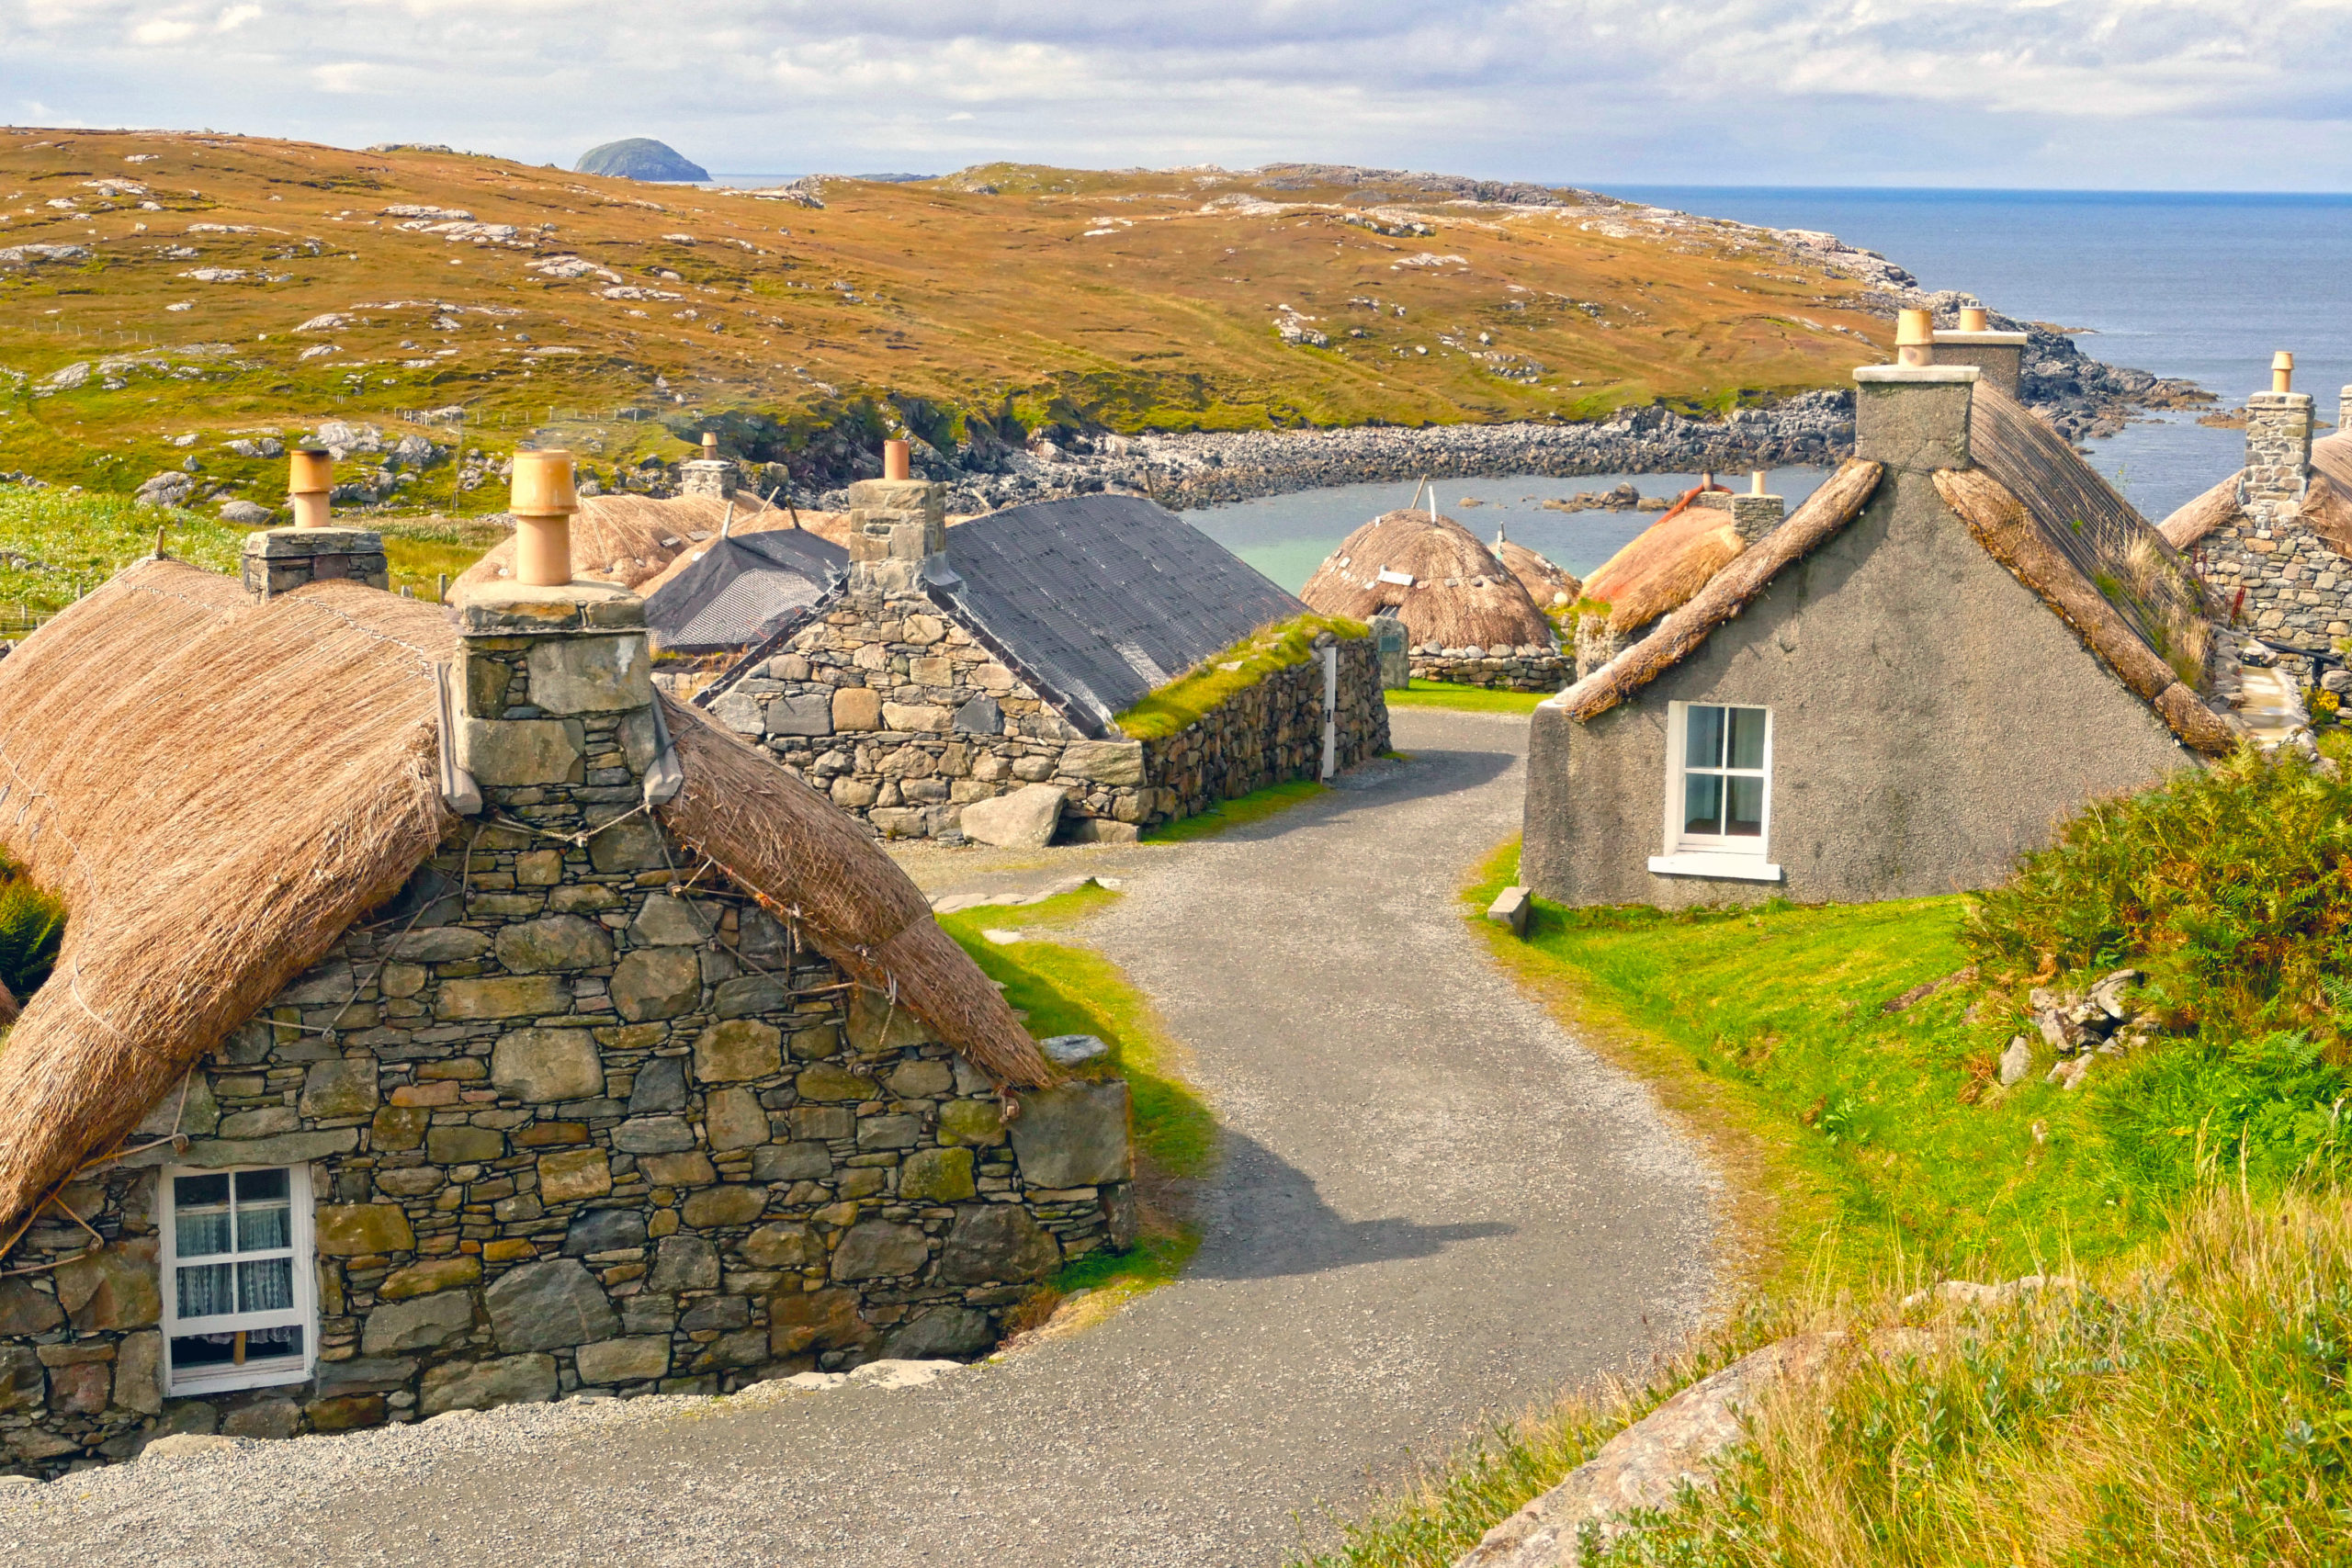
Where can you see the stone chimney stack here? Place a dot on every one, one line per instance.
(898, 529)
(278, 560)
(2001, 355)
(1757, 513)
(1913, 415)
(709, 474)
(551, 703)
(2277, 439)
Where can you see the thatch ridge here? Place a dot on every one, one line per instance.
(1461, 596)
(2196, 519)
(632, 539)
(1828, 509)
(217, 789)
(773, 834)
(2011, 535)
(1660, 569)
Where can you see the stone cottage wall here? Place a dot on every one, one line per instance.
(591, 1128)
(2266, 570)
(1530, 667)
(904, 717)
(1269, 733)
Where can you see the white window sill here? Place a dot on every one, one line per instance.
(1736, 868)
(198, 1386)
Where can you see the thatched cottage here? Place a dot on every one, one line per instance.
(950, 669)
(2274, 540)
(1466, 616)
(1959, 637)
(1659, 570)
(1548, 583)
(445, 1020)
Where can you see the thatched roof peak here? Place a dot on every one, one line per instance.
(1434, 575)
(1661, 567)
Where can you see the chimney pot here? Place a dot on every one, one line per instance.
(710, 445)
(1915, 338)
(308, 481)
(2282, 372)
(897, 461)
(1972, 318)
(543, 501)
(1756, 481)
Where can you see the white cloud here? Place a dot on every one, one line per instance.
(2165, 92)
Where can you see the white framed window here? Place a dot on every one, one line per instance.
(239, 1280)
(1718, 792)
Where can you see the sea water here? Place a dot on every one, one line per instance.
(2202, 286)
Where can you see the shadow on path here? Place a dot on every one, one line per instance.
(1276, 1223)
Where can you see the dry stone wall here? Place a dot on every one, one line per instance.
(1530, 667)
(2266, 570)
(904, 716)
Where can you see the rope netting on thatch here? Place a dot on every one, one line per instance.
(217, 788)
(1460, 596)
(1660, 567)
(1544, 582)
(631, 539)
(814, 866)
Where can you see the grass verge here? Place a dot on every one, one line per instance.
(1462, 699)
(56, 545)
(1239, 812)
(1067, 989)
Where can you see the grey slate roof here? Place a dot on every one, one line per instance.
(1100, 599)
(743, 586)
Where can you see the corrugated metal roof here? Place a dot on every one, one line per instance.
(742, 588)
(1104, 597)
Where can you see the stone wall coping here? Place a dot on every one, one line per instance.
(507, 609)
(275, 542)
(1981, 340)
(2279, 400)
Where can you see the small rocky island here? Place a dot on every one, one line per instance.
(639, 158)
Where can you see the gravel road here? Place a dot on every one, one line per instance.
(1433, 1204)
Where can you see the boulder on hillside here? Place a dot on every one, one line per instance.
(639, 158)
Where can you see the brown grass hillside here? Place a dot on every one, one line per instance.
(218, 284)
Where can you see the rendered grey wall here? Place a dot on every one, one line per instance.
(1931, 719)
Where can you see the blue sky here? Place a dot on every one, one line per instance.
(2105, 93)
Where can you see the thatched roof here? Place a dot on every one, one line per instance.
(1545, 582)
(1458, 594)
(2215, 508)
(631, 539)
(217, 787)
(1665, 564)
(2033, 536)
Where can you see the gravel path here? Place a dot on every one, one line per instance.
(1433, 1204)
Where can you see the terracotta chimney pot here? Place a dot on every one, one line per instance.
(310, 479)
(2282, 372)
(1972, 318)
(1915, 338)
(709, 445)
(543, 501)
(896, 460)
(1756, 481)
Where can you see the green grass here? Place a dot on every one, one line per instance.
(56, 544)
(1065, 990)
(421, 553)
(1186, 701)
(1462, 699)
(1239, 812)
(32, 928)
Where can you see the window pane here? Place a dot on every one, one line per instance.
(1703, 744)
(260, 1230)
(1746, 742)
(269, 1343)
(266, 1286)
(261, 1186)
(201, 1234)
(195, 1192)
(204, 1290)
(1702, 802)
(1744, 819)
(193, 1350)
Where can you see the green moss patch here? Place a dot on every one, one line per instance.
(1239, 812)
(1463, 699)
(1189, 699)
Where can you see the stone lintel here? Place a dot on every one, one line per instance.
(278, 543)
(1916, 374)
(1981, 340)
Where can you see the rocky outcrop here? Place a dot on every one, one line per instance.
(639, 158)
